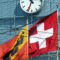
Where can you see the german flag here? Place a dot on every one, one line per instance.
(16, 48)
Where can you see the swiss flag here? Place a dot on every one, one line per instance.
(43, 36)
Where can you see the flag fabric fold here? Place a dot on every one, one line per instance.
(43, 35)
(16, 48)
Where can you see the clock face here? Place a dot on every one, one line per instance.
(31, 6)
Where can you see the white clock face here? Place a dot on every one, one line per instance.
(31, 6)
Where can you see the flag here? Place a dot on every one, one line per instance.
(15, 48)
(43, 35)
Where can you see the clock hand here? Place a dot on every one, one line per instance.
(31, 2)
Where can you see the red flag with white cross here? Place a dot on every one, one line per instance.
(43, 36)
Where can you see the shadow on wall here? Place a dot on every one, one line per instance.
(19, 12)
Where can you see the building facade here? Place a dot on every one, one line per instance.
(12, 16)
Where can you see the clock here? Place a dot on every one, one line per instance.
(31, 6)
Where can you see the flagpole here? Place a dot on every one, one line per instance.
(57, 56)
(58, 48)
(31, 25)
(31, 19)
(27, 37)
(27, 20)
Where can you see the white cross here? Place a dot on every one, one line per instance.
(41, 35)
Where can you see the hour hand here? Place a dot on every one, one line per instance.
(32, 1)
